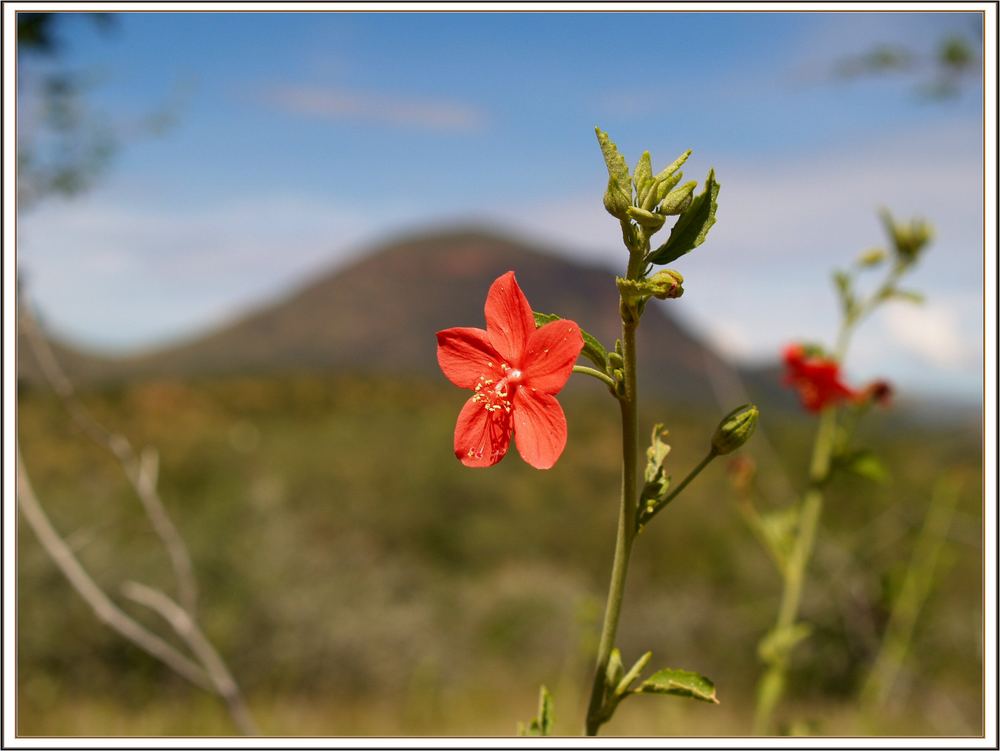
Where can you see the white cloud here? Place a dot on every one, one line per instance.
(114, 272)
(932, 332)
(342, 104)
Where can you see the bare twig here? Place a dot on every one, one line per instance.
(187, 629)
(140, 469)
(105, 610)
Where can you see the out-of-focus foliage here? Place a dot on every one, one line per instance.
(940, 72)
(64, 142)
(343, 554)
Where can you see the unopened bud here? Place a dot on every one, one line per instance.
(735, 429)
(678, 200)
(615, 360)
(667, 284)
(872, 257)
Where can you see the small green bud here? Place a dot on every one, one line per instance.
(871, 258)
(615, 360)
(647, 219)
(616, 201)
(665, 185)
(667, 284)
(678, 200)
(907, 239)
(735, 429)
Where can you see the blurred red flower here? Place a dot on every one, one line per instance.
(515, 370)
(817, 379)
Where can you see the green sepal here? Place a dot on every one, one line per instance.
(542, 724)
(679, 683)
(692, 227)
(593, 350)
(777, 644)
(618, 196)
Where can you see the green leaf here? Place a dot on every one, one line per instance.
(905, 295)
(657, 452)
(779, 643)
(593, 350)
(692, 227)
(629, 678)
(679, 683)
(863, 463)
(542, 724)
(618, 196)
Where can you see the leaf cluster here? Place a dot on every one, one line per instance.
(642, 201)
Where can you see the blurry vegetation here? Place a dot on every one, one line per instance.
(64, 142)
(940, 72)
(361, 583)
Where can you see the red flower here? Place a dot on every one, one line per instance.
(515, 370)
(816, 378)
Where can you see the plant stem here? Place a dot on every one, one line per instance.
(917, 585)
(626, 526)
(596, 374)
(772, 683)
(712, 453)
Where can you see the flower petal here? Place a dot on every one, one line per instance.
(465, 354)
(509, 321)
(539, 427)
(482, 437)
(549, 357)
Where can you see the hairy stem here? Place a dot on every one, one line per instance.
(626, 527)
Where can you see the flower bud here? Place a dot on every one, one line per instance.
(735, 429)
(871, 258)
(667, 284)
(677, 200)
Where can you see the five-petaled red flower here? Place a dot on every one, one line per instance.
(817, 379)
(515, 370)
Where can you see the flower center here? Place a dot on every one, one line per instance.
(496, 395)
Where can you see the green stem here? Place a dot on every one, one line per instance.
(626, 527)
(712, 453)
(772, 683)
(917, 585)
(596, 374)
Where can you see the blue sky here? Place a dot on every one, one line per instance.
(302, 138)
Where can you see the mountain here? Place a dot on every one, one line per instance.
(380, 315)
